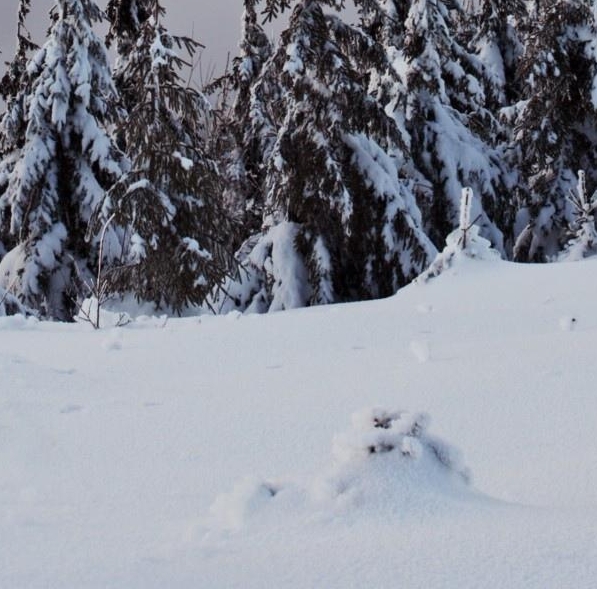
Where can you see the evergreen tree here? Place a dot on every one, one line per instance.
(339, 225)
(556, 123)
(168, 203)
(453, 134)
(13, 124)
(65, 164)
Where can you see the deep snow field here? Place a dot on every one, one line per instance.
(223, 452)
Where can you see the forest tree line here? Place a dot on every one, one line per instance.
(324, 167)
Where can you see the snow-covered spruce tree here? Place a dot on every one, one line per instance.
(168, 203)
(338, 223)
(556, 123)
(13, 89)
(64, 166)
(244, 129)
(452, 131)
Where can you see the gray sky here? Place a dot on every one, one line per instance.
(215, 23)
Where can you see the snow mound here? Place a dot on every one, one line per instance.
(249, 498)
(387, 465)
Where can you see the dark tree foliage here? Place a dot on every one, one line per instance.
(556, 126)
(126, 18)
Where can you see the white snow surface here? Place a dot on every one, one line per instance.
(218, 452)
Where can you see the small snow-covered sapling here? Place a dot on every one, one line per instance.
(466, 203)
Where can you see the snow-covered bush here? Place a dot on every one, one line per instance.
(388, 464)
(380, 431)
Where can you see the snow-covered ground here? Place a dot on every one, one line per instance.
(204, 452)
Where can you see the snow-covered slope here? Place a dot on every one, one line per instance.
(204, 452)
